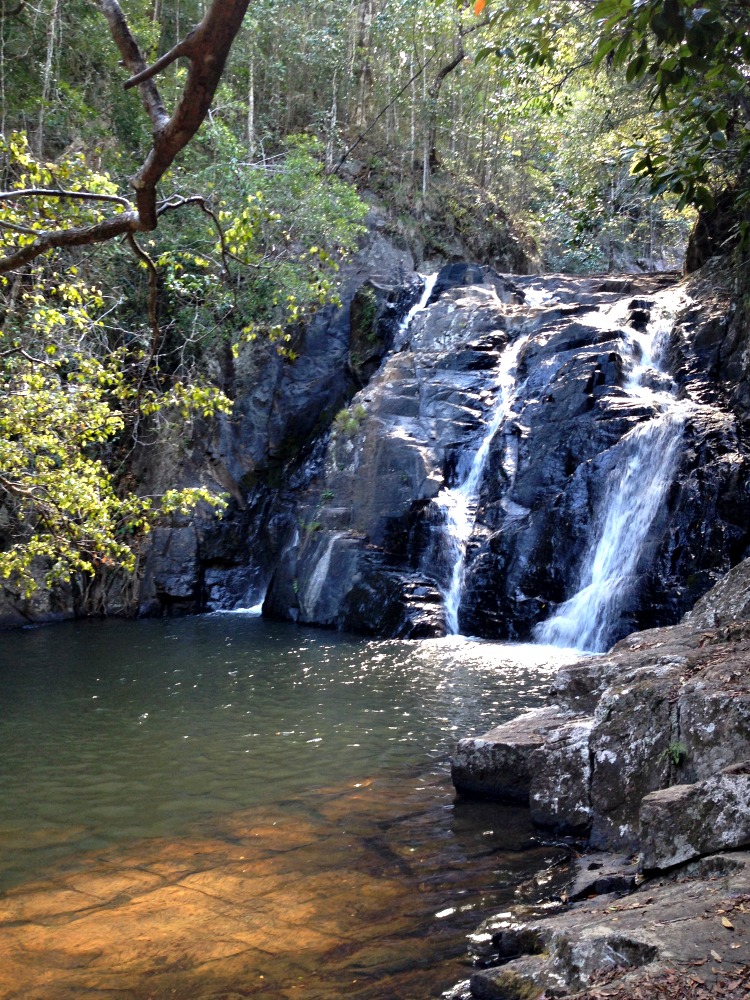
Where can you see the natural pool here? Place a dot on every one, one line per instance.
(224, 806)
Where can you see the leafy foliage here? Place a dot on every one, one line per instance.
(84, 373)
(61, 409)
(566, 117)
(695, 61)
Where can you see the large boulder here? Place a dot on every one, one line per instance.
(684, 822)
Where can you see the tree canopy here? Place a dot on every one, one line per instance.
(179, 179)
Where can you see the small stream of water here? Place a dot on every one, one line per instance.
(458, 503)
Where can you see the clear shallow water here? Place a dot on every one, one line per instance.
(119, 734)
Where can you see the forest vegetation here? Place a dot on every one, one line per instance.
(593, 133)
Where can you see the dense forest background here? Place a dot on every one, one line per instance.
(566, 134)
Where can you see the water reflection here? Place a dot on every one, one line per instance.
(169, 747)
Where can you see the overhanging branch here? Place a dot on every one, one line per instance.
(207, 48)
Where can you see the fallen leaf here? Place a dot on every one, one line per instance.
(716, 956)
(726, 922)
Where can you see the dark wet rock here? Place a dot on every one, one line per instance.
(549, 465)
(171, 571)
(462, 274)
(345, 450)
(375, 313)
(352, 443)
(18, 608)
(499, 764)
(266, 451)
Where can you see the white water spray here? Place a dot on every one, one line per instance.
(647, 462)
(646, 470)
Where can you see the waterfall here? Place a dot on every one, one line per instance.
(644, 473)
(646, 463)
(458, 503)
(314, 586)
(419, 305)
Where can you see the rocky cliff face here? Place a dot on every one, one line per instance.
(459, 473)
(265, 453)
(547, 378)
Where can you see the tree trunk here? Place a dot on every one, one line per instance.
(47, 80)
(251, 139)
(362, 69)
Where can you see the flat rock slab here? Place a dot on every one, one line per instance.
(497, 764)
(695, 928)
(600, 874)
(686, 821)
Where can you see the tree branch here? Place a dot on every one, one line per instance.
(161, 63)
(177, 201)
(207, 47)
(109, 229)
(62, 193)
(153, 316)
(134, 61)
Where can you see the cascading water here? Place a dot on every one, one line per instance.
(322, 567)
(458, 503)
(419, 306)
(646, 462)
(645, 472)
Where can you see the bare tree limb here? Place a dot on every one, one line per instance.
(177, 201)
(134, 61)
(153, 315)
(24, 230)
(62, 193)
(181, 49)
(207, 47)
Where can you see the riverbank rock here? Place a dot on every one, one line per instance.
(498, 765)
(652, 765)
(690, 933)
(684, 822)
(665, 707)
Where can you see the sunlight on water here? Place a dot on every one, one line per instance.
(113, 730)
(222, 804)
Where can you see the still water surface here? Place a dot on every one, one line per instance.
(118, 734)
